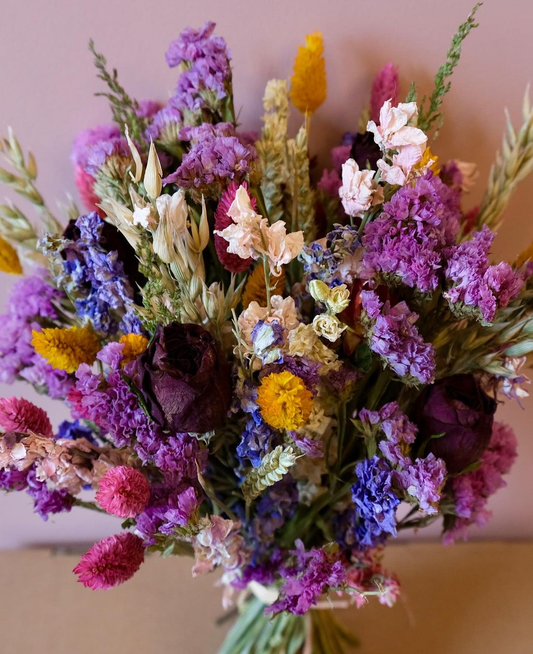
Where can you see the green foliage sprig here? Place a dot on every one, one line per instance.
(123, 107)
(428, 117)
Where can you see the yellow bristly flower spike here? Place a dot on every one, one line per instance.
(134, 346)
(255, 289)
(9, 259)
(308, 82)
(66, 348)
(284, 400)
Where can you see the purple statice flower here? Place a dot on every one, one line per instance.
(206, 77)
(375, 502)
(169, 508)
(74, 430)
(394, 337)
(406, 243)
(32, 305)
(96, 278)
(341, 381)
(423, 482)
(88, 138)
(385, 87)
(256, 440)
(215, 158)
(47, 501)
(472, 490)
(99, 153)
(276, 506)
(147, 108)
(13, 480)
(180, 457)
(166, 124)
(313, 574)
(264, 570)
(398, 430)
(476, 288)
(311, 448)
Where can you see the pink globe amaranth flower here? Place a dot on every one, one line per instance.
(111, 561)
(18, 414)
(123, 491)
(385, 87)
(85, 183)
(232, 262)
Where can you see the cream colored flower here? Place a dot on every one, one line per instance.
(142, 216)
(328, 326)
(392, 132)
(339, 298)
(173, 212)
(470, 174)
(357, 190)
(281, 248)
(304, 342)
(282, 309)
(319, 290)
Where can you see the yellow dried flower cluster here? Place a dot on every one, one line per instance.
(308, 83)
(9, 259)
(134, 346)
(255, 289)
(66, 348)
(284, 400)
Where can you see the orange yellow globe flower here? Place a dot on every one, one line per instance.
(134, 346)
(66, 348)
(255, 289)
(9, 259)
(308, 82)
(429, 161)
(284, 400)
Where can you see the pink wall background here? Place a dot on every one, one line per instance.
(48, 81)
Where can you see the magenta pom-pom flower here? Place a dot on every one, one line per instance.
(18, 414)
(111, 561)
(232, 262)
(123, 491)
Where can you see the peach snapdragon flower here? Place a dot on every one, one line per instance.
(358, 191)
(250, 235)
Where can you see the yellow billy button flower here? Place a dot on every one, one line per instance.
(9, 259)
(284, 400)
(66, 348)
(308, 82)
(255, 289)
(134, 346)
(429, 161)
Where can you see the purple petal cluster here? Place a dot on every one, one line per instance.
(375, 502)
(315, 571)
(45, 500)
(206, 78)
(169, 508)
(96, 278)
(476, 288)
(423, 481)
(472, 490)
(216, 157)
(74, 430)
(88, 139)
(398, 430)
(32, 305)
(395, 338)
(166, 124)
(256, 440)
(406, 242)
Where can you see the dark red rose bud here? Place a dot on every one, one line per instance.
(458, 408)
(184, 378)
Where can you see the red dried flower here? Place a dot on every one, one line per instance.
(18, 414)
(123, 491)
(230, 261)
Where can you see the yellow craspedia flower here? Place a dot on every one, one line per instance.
(308, 82)
(284, 400)
(429, 161)
(9, 259)
(255, 289)
(134, 346)
(66, 348)
(524, 256)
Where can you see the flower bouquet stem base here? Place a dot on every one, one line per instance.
(318, 632)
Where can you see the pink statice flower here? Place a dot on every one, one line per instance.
(369, 577)
(18, 414)
(111, 561)
(385, 87)
(123, 491)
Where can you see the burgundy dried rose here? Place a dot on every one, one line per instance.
(184, 378)
(458, 408)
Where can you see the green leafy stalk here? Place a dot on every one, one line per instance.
(428, 117)
(123, 107)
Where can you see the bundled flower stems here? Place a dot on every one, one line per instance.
(272, 374)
